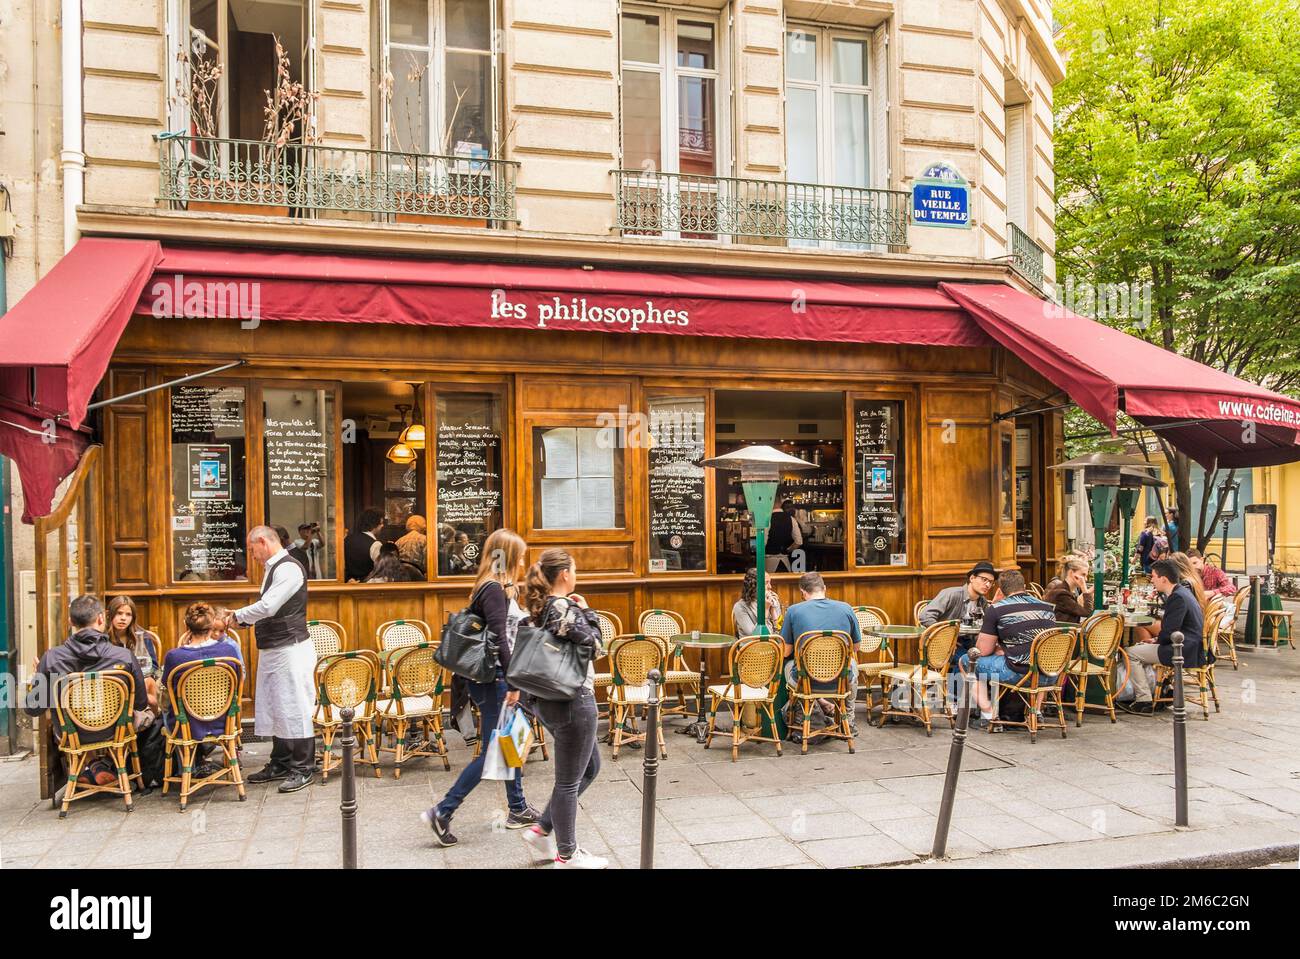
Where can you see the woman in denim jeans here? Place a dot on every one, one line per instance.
(554, 606)
(494, 590)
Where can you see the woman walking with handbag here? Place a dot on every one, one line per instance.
(494, 590)
(554, 606)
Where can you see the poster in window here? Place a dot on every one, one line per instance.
(208, 518)
(677, 484)
(880, 521)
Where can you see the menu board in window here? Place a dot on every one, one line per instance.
(208, 517)
(880, 523)
(676, 484)
(298, 449)
(468, 453)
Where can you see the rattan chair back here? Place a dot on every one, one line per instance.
(1051, 650)
(401, 633)
(756, 661)
(661, 622)
(328, 637)
(870, 618)
(823, 654)
(347, 680)
(93, 702)
(610, 626)
(207, 689)
(938, 643)
(632, 657)
(415, 673)
(919, 605)
(1035, 589)
(1102, 634)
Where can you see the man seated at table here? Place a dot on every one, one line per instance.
(1006, 638)
(88, 649)
(816, 612)
(1182, 614)
(966, 603)
(1214, 580)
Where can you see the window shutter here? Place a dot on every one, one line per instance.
(1017, 183)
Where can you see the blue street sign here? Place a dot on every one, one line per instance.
(941, 197)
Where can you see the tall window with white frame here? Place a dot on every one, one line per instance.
(439, 77)
(828, 119)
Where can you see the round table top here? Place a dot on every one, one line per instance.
(1136, 620)
(703, 640)
(898, 630)
(970, 630)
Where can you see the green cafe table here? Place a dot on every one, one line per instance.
(903, 641)
(703, 642)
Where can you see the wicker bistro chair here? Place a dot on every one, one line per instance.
(1048, 656)
(1035, 589)
(664, 623)
(632, 657)
(1227, 634)
(1099, 652)
(610, 628)
(1203, 675)
(97, 702)
(871, 618)
(343, 681)
(206, 689)
(419, 687)
(919, 605)
(394, 635)
(938, 643)
(328, 637)
(824, 658)
(755, 666)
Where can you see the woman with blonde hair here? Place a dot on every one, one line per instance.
(495, 587)
(1069, 592)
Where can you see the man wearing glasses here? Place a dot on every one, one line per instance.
(965, 603)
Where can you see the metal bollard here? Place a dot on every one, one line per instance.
(1180, 734)
(348, 806)
(650, 769)
(954, 759)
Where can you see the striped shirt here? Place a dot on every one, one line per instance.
(1015, 620)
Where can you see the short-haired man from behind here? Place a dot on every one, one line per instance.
(1182, 614)
(1006, 638)
(89, 649)
(817, 612)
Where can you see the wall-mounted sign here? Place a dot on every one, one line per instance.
(941, 197)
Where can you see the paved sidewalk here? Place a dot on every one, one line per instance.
(1102, 797)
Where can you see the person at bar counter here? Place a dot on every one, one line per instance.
(817, 612)
(306, 549)
(744, 614)
(412, 544)
(1214, 580)
(361, 545)
(89, 649)
(1006, 637)
(783, 537)
(286, 662)
(966, 603)
(1182, 614)
(1070, 592)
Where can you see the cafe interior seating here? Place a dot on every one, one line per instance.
(205, 690)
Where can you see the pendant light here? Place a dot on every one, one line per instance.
(413, 435)
(401, 452)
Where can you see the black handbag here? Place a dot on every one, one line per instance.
(546, 667)
(468, 647)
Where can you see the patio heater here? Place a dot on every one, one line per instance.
(760, 473)
(1106, 476)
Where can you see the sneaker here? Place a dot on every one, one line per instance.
(441, 827)
(541, 843)
(581, 859)
(295, 781)
(1138, 709)
(528, 816)
(206, 769)
(268, 774)
(978, 723)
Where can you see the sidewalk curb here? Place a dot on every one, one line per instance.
(1238, 859)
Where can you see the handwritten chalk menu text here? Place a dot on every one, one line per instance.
(208, 520)
(298, 451)
(676, 484)
(468, 458)
(880, 520)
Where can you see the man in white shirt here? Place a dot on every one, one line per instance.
(286, 663)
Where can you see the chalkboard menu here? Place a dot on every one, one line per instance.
(208, 518)
(677, 515)
(298, 449)
(880, 522)
(468, 453)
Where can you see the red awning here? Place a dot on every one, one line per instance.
(55, 345)
(1211, 416)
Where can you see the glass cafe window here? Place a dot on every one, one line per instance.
(440, 56)
(880, 483)
(670, 81)
(298, 458)
(209, 521)
(468, 454)
(577, 478)
(676, 483)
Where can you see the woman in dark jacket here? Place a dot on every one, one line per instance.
(494, 589)
(554, 606)
(1069, 592)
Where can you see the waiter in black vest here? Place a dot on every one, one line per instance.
(286, 661)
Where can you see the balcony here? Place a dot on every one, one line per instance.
(206, 174)
(693, 206)
(1026, 255)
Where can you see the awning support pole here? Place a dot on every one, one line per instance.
(163, 386)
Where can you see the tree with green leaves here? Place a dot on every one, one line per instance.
(1177, 160)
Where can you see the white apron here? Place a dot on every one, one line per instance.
(286, 691)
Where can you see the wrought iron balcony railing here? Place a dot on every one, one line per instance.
(1026, 255)
(693, 206)
(247, 176)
